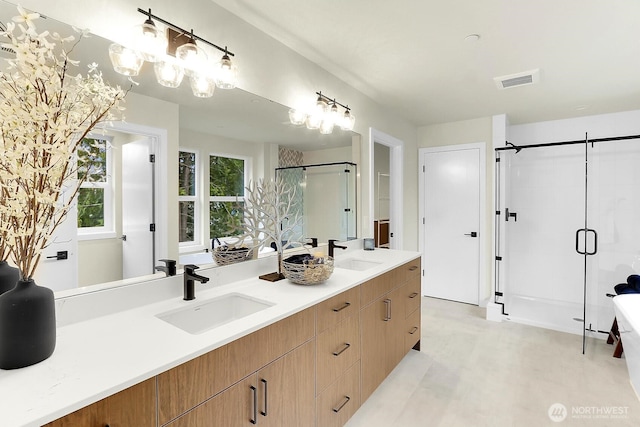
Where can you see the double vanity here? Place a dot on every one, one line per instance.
(244, 352)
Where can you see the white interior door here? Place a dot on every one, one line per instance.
(137, 209)
(451, 224)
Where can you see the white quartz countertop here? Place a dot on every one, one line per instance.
(96, 357)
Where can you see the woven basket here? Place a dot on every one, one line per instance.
(226, 257)
(308, 274)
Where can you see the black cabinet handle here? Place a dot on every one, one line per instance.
(264, 413)
(413, 268)
(342, 350)
(254, 420)
(342, 307)
(413, 330)
(346, 400)
(413, 295)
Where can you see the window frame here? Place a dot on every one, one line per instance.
(108, 230)
(196, 243)
(247, 177)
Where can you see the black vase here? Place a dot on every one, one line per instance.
(27, 325)
(8, 277)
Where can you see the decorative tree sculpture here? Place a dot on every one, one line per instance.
(270, 217)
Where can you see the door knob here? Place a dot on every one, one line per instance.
(472, 234)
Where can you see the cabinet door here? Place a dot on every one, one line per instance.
(337, 308)
(394, 333)
(235, 407)
(286, 389)
(135, 406)
(411, 293)
(412, 330)
(374, 325)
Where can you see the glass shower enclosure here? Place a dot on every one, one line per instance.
(325, 199)
(566, 231)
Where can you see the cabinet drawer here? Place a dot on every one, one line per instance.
(412, 330)
(406, 272)
(337, 308)
(338, 348)
(211, 373)
(411, 291)
(341, 400)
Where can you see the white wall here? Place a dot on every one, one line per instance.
(267, 68)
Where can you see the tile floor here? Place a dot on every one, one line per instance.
(472, 372)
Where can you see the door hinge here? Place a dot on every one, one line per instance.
(152, 158)
(152, 227)
(498, 258)
(498, 160)
(423, 221)
(424, 168)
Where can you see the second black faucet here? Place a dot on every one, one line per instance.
(189, 278)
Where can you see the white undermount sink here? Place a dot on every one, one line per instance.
(356, 264)
(205, 315)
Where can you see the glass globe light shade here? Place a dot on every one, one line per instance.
(202, 85)
(149, 41)
(124, 60)
(315, 119)
(192, 58)
(168, 73)
(297, 117)
(348, 120)
(333, 114)
(326, 127)
(226, 73)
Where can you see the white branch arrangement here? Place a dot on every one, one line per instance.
(45, 113)
(269, 215)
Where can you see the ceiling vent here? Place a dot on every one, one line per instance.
(519, 79)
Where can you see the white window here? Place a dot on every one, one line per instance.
(188, 205)
(227, 180)
(95, 195)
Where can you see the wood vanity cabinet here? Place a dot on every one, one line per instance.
(383, 322)
(134, 406)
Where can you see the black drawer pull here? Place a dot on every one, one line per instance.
(342, 307)
(342, 350)
(346, 400)
(413, 330)
(413, 295)
(413, 268)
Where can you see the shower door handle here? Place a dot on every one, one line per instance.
(578, 231)
(595, 241)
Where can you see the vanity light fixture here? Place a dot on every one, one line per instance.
(323, 116)
(174, 55)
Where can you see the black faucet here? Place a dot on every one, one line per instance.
(214, 241)
(188, 277)
(314, 241)
(169, 267)
(332, 246)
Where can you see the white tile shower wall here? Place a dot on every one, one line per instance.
(546, 189)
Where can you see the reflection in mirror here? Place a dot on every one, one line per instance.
(319, 184)
(233, 124)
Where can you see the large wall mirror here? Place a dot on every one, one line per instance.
(232, 129)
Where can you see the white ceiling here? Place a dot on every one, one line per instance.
(411, 55)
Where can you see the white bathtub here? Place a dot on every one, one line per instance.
(628, 314)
